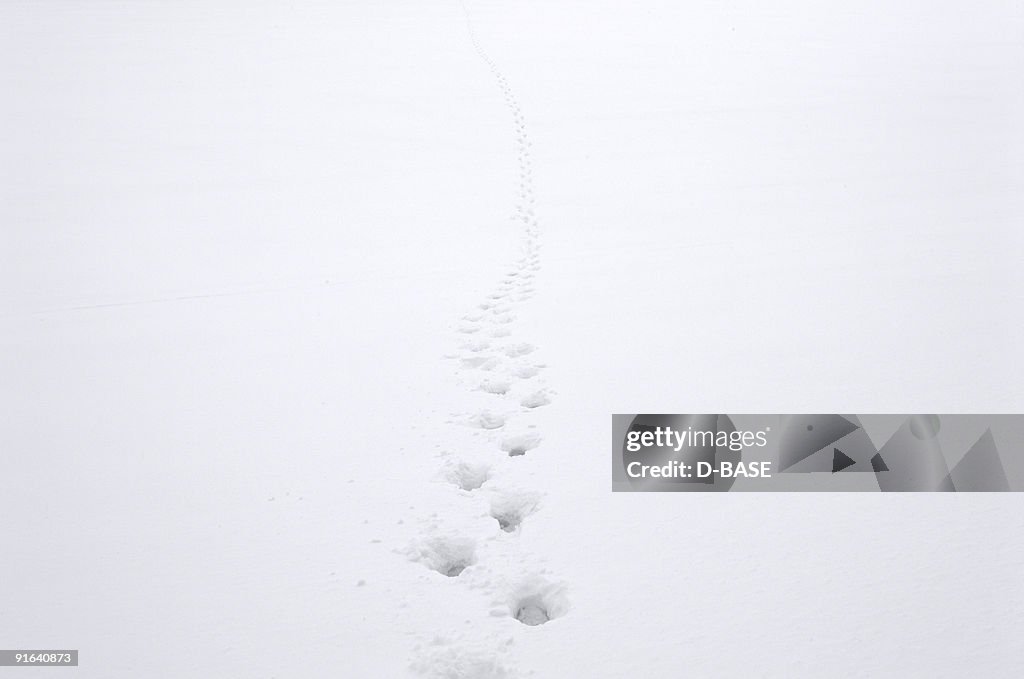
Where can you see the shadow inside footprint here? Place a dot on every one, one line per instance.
(453, 570)
(509, 522)
(532, 612)
(448, 555)
(538, 601)
(468, 476)
(509, 506)
(520, 444)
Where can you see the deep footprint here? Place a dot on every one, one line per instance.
(532, 612)
(447, 555)
(468, 476)
(538, 602)
(510, 507)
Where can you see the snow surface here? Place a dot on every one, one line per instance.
(298, 382)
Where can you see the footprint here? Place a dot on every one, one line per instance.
(525, 371)
(532, 611)
(501, 332)
(520, 349)
(496, 386)
(536, 400)
(449, 555)
(477, 345)
(467, 475)
(510, 507)
(480, 362)
(537, 601)
(488, 420)
(519, 444)
(469, 329)
(442, 659)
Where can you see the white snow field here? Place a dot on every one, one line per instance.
(313, 317)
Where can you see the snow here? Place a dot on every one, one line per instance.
(314, 316)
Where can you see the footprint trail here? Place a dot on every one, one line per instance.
(498, 370)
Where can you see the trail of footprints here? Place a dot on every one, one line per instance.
(503, 374)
